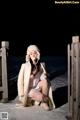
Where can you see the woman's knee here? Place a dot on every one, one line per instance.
(43, 83)
(36, 95)
(31, 93)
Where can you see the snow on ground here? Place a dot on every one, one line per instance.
(56, 66)
(60, 81)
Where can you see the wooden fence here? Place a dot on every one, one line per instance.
(74, 79)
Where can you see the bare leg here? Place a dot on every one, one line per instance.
(42, 94)
(44, 85)
(39, 94)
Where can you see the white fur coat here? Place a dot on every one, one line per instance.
(23, 81)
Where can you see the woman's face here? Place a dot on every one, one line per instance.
(33, 55)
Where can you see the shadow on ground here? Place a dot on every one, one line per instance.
(12, 90)
(60, 96)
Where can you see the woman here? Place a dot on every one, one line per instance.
(33, 85)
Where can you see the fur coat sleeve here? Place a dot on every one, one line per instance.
(21, 81)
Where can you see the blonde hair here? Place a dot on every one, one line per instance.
(32, 48)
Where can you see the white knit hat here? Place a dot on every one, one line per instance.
(33, 48)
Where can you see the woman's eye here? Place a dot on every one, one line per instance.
(34, 53)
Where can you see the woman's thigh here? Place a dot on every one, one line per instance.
(35, 95)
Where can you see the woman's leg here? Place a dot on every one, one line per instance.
(36, 95)
(41, 94)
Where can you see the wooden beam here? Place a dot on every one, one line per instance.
(69, 82)
(1, 88)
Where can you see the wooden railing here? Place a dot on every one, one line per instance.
(74, 79)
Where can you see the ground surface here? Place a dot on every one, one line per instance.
(58, 78)
(33, 113)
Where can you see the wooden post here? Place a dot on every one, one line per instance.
(75, 40)
(4, 88)
(74, 79)
(77, 80)
(69, 83)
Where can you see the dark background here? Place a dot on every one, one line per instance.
(48, 25)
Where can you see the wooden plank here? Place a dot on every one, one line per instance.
(1, 88)
(4, 74)
(0, 73)
(72, 80)
(79, 87)
(0, 52)
(77, 80)
(75, 83)
(69, 83)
